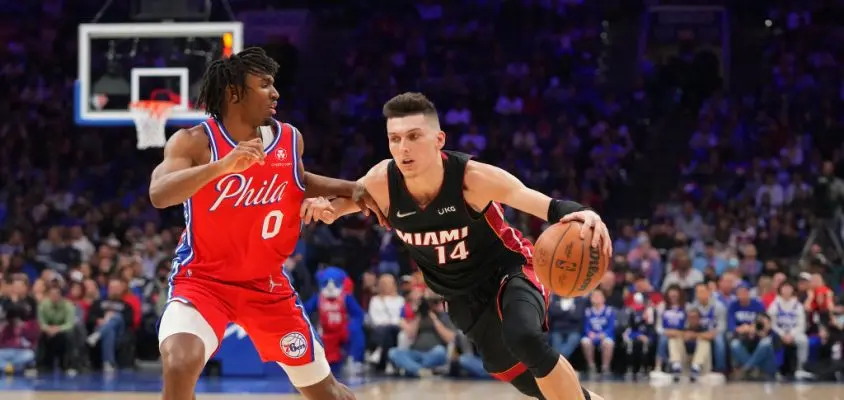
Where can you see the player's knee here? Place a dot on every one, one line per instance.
(182, 356)
(528, 342)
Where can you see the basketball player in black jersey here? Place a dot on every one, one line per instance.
(446, 209)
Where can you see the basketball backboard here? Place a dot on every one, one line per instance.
(123, 63)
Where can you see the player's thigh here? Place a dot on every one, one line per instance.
(198, 311)
(281, 332)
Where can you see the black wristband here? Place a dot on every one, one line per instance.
(560, 208)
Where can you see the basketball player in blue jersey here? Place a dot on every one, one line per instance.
(446, 208)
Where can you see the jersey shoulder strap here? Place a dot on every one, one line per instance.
(395, 182)
(455, 170)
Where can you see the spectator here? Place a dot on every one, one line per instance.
(689, 221)
(641, 326)
(626, 241)
(466, 356)
(18, 340)
(384, 316)
(726, 289)
(713, 317)
(829, 365)
(430, 332)
(749, 266)
(599, 331)
(696, 339)
(643, 257)
(788, 321)
(19, 302)
(710, 258)
(819, 300)
(565, 319)
(777, 281)
(682, 275)
(57, 317)
(742, 317)
(770, 193)
(108, 319)
(671, 320)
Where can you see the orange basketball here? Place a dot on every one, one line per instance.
(566, 264)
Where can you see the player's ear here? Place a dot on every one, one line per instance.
(440, 140)
(234, 96)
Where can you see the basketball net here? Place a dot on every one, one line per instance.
(150, 117)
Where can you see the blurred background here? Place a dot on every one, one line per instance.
(708, 135)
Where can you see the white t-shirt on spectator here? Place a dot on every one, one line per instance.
(509, 105)
(457, 116)
(385, 310)
(85, 247)
(774, 191)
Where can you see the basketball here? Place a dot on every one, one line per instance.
(566, 264)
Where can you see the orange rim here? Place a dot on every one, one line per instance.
(156, 108)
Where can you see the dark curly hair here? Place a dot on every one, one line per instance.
(231, 72)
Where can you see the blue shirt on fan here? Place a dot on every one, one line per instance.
(600, 320)
(674, 318)
(739, 314)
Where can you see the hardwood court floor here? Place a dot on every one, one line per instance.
(437, 389)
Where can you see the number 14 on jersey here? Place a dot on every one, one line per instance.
(459, 253)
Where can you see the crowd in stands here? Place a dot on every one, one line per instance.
(714, 279)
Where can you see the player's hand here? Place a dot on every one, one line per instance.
(317, 209)
(367, 204)
(591, 220)
(244, 156)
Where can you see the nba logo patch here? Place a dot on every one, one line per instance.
(294, 345)
(281, 154)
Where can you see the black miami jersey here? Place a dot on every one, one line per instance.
(456, 247)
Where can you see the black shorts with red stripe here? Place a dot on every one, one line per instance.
(507, 324)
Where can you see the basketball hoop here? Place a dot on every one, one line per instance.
(150, 118)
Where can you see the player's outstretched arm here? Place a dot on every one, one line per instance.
(318, 185)
(485, 183)
(375, 184)
(178, 177)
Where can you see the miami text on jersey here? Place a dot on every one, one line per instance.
(433, 238)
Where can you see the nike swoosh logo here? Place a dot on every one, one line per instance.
(400, 215)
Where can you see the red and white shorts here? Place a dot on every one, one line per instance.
(274, 320)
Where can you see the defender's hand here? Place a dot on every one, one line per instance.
(367, 204)
(600, 235)
(244, 156)
(317, 209)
